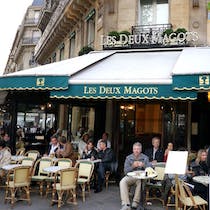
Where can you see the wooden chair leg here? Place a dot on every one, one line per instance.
(83, 192)
(12, 196)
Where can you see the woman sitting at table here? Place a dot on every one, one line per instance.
(199, 168)
(65, 150)
(5, 157)
(89, 151)
(169, 148)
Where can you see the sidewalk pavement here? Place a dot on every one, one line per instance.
(106, 200)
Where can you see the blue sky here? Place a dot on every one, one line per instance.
(11, 16)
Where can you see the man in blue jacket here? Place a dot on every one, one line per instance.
(133, 162)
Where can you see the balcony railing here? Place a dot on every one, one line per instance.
(30, 21)
(30, 41)
(150, 29)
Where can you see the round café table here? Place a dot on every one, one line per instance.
(143, 176)
(202, 179)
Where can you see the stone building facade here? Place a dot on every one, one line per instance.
(27, 36)
(69, 27)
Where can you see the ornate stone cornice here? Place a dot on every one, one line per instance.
(49, 29)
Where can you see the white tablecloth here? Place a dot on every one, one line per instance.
(201, 179)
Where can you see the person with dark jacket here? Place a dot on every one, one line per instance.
(107, 156)
(208, 160)
(89, 152)
(155, 154)
(200, 168)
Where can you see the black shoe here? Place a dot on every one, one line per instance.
(97, 190)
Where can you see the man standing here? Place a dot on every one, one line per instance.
(135, 161)
(155, 154)
(107, 156)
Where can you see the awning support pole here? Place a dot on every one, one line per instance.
(189, 123)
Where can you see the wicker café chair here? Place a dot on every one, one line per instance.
(20, 181)
(187, 199)
(38, 173)
(33, 153)
(61, 162)
(65, 181)
(20, 151)
(85, 171)
(155, 184)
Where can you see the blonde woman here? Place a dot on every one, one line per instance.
(200, 168)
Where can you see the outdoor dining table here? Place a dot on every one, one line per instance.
(143, 176)
(202, 179)
(11, 166)
(17, 157)
(93, 161)
(53, 169)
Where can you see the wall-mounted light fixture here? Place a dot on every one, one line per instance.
(208, 96)
(195, 3)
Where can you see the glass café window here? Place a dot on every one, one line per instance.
(81, 120)
(139, 119)
(34, 120)
(154, 12)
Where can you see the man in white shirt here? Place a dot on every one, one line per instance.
(54, 145)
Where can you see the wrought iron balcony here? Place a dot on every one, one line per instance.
(31, 21)
(30, 41)
(150, 29)
(150, 35)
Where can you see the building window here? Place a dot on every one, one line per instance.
(62, 53)
(154, 12)
(72, 45)
(54, 57)
(91, 29)
(36, 16)
(35, 36)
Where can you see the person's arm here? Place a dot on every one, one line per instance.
(67, 152)
(127, 165)
(146, 162)
(6, 158)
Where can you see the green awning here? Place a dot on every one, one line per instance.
(192, 69)
(191, 82)
(125, 91)
(34, 82)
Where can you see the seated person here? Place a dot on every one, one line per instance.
(169, 148)
(135, 161)
(65, 150)
(208, 160)
(6, 139)
(54, 145)
(5, 156)
(155, 153)
(106, 155)
(105, 137)
(89, 151)
(82, 143)
(200, 168)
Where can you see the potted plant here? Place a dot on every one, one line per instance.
(85, 50)
(115, 34)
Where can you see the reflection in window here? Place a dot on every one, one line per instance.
(34, 119)
(91, 31)
(72, 47)
(82, 120)
(154, 12)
